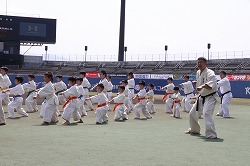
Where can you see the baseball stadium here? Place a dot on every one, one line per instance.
(168, 128)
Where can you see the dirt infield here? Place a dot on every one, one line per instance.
(158, 141)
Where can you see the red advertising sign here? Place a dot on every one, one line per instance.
(238, 77)
(92, 74)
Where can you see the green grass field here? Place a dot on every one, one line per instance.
(158, 141)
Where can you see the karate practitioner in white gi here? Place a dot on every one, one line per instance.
(126, 93)
(103, 81)
(60, 87)
(206, 85)
(16, 103)
(71, 105)
(4, 85)
(168, 96)
(176, 103)
(150, 99)
(141, 104)
(30, 87)
(120, 108)
(188, 94)
(131, 87)
(48, 108)
(86, 85)
(109, 88)
(226, 95)
(81, 109)
(102, 107)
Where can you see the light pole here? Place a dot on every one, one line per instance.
(86, 49)
(125, 50)
(122, 32)
(46, 49)
(208, 48)
(166, 49)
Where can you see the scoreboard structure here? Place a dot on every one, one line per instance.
(15, 30)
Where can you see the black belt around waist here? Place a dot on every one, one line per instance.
(59, 92)
(203, 100)
(130, 88)
(222, 95)
(30, 92)
(14, 97)
(85, 87)
(109, 91)
(188, 93)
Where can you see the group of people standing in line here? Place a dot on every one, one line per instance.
(74, 98)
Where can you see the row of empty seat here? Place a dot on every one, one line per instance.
(181, 67)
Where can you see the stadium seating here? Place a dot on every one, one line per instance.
(233, 66)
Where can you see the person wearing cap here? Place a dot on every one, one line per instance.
(60, 87)
(30, 87)
(150, 99)
(141, 104)
(102, 107)
(189, 93)
(16, 103)
(206, 86)
(81, 109)
(120, 108)
(168, 96)
(131, 87)
(226, 95)
(71, 105)
(176, 103)
(86, 85)
(126, 93)
(4, 85)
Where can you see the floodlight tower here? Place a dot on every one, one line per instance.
(122, 32)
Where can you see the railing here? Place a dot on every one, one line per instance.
(148, 57)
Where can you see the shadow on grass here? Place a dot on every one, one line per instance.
(15, 118)
(120, 120)
(211, 140)
(229, 118)
(143, 119)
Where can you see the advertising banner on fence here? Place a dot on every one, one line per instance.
(142, 76)
(160, 76)
(238, 77)
(92, 75)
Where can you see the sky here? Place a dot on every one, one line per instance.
(186, 26)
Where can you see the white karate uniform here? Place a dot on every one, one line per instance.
(86, 85)
(206, 77)
(141, 105)
(81, 109)
(48, 108)
(105, 84)
(131, 86)
(16, 103)
(150, 101)
(59, 88)
(176, 106)
(30, 102)
(120, 111)
(101, 112)
(72, 107)
(188, 91)
(126, 93)
(109, 90)
(170, 89)
(4, 83)
(225, 87)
